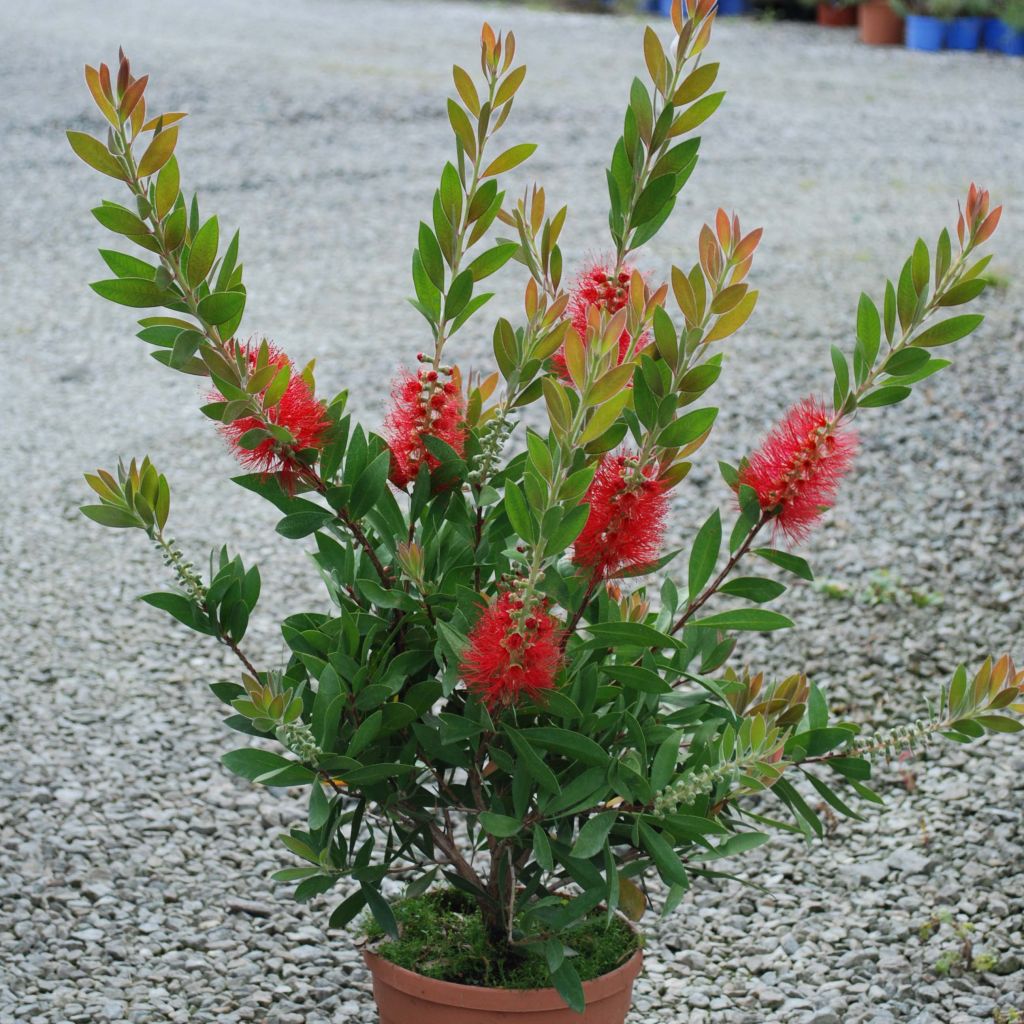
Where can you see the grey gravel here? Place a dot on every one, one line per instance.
(134, 872)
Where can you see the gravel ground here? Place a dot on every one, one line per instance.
(133, 870)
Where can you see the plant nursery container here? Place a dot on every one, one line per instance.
(404, 997)
(992, 34)
(1012, 41)
(878, 24)
(964, 33)
(836, 16)
(730, 8)
(925, 32)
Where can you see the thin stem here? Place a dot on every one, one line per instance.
(698, 602)
(571, 625)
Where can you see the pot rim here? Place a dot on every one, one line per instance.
(477, 997)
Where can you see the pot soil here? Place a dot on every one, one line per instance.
(404, 997)
(879, 24)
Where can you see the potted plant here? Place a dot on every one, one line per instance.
(489, 705)
(836, 13)
(878, 24)
(968, 22)
(927, 22)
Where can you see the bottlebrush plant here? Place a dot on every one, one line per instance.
(497, 699)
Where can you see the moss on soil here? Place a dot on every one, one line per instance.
(442, 936)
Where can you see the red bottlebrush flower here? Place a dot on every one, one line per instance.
(298, 410)
(507, 658)
(797, 470)
(596, 286)
(626, 520)
(422, 405)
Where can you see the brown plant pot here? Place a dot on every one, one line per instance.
(404, 997)
(830, 16)
(879, 24)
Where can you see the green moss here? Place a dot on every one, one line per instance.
(442, 936)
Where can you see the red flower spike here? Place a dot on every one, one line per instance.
(797, 470)
(298, 410)
(596, 287)
(422, 406)
(626, 520)
(506, 659)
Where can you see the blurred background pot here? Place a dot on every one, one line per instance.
(925, 32)
(878, 24)
(964, 33)
(1012, 42)
(836, 15)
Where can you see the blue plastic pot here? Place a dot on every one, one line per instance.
(1012, 42)
(964, 33)
(925, 32)
(992, 34)
(729, 8)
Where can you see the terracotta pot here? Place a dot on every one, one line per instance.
(404, 997)
(879, 24)
(836, 17)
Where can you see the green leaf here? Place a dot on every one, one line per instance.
(570, 988)
(127, 266)
(742, 842)
(636, 678)
(254, 764)
(381, 911)
(999, 723)
(220, 307)
(542, 849)
(632, 634)
(568, 530)
(533, 762)
(108, 515)
(697, 114)
(370, 486)
(96, 155)
(183, 609)
(121, 221)
(653, 198)
(687, 428)
(568, 743)
(704, 554)
(963, 292)
(500, 825)
(493, 260)
(755, 620)
(592, 835)
(510, 158)
(948, 331)
(431, 257)
(784, 560)
(518, 512)
(459, 293)
(666, 860)
(168, 184)
(753, 588)
(666, 759)
(371, 774)
(905, 361)
(203, 252)
(302, 524)
(159, 152)
(348, 910)
(134, 291)
(888, 395)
